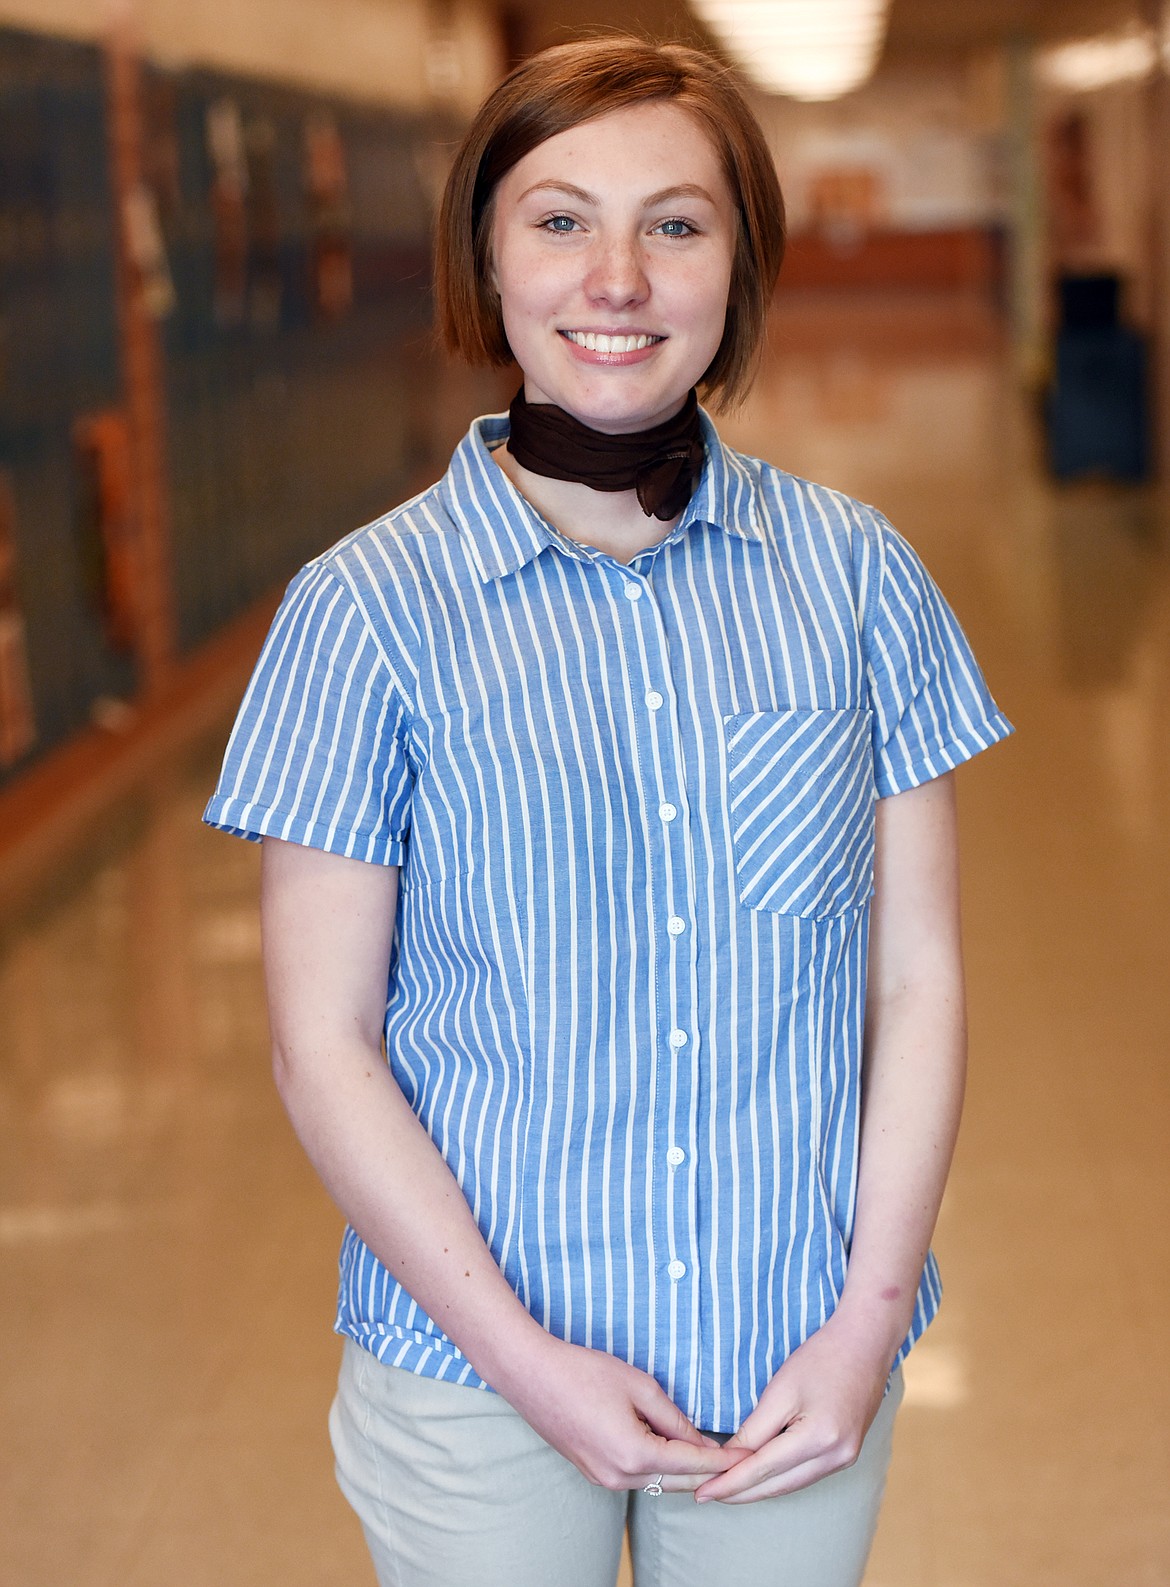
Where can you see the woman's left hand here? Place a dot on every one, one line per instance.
(814, 1415)
(811, 1420)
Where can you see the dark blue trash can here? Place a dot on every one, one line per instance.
(1096, 410)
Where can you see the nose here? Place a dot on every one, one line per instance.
(617, 273)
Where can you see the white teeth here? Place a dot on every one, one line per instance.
(599, 342)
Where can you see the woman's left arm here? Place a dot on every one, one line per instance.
(814, 1414)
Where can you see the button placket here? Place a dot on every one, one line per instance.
(677, 992)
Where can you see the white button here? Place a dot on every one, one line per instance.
(667, 812)
(633, 591)
(676, 925)
(676, 1269)
(675, 1156)
(653, 699)
(678, 1038)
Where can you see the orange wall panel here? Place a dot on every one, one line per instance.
(963, 260)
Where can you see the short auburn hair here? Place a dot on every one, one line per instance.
(560, 88)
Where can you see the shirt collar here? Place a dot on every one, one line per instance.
(504, 531)
(727, 495)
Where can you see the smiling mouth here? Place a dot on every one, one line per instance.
(599, 342)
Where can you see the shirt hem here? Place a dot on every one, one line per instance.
(423, 1355)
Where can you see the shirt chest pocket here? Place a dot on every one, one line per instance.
(801, 795)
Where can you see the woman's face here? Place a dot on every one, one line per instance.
(612, 247)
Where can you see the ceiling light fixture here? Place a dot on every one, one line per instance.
(1110, 58)
(810, 49)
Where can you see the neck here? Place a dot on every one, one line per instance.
(609, 521)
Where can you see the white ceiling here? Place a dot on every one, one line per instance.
(916, 26)
(967, 24)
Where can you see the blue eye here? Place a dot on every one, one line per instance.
(676, 228)
(561, 223)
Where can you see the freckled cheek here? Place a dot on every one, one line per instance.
(704, 317)
(701, 299)
(530, 288)
(525, 297)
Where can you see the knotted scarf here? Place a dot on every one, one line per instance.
(662, 464)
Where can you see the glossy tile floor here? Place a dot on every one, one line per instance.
(168, 1259)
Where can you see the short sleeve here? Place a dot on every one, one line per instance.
(931, 708)
(318, 752)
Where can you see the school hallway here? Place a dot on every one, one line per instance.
(169, 1258)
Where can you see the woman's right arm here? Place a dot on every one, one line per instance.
(328, 925)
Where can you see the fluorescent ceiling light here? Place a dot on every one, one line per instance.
(810, 49)
(1097, 63)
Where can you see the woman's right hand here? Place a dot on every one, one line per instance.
(613, 1421)
(328, 924)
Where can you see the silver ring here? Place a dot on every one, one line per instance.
(654, 1487)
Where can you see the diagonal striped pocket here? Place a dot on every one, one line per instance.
(801, 791)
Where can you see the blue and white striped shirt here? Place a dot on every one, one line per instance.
(634, 811)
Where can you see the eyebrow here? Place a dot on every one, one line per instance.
(681, 190)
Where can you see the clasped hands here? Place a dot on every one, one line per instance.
(619, 1428)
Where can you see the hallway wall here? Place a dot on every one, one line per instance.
(261, 287)
(391, 52)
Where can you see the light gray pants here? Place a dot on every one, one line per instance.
(454, 1489)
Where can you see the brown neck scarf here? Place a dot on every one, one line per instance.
(663, 464)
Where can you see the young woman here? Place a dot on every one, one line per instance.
(609, 898)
